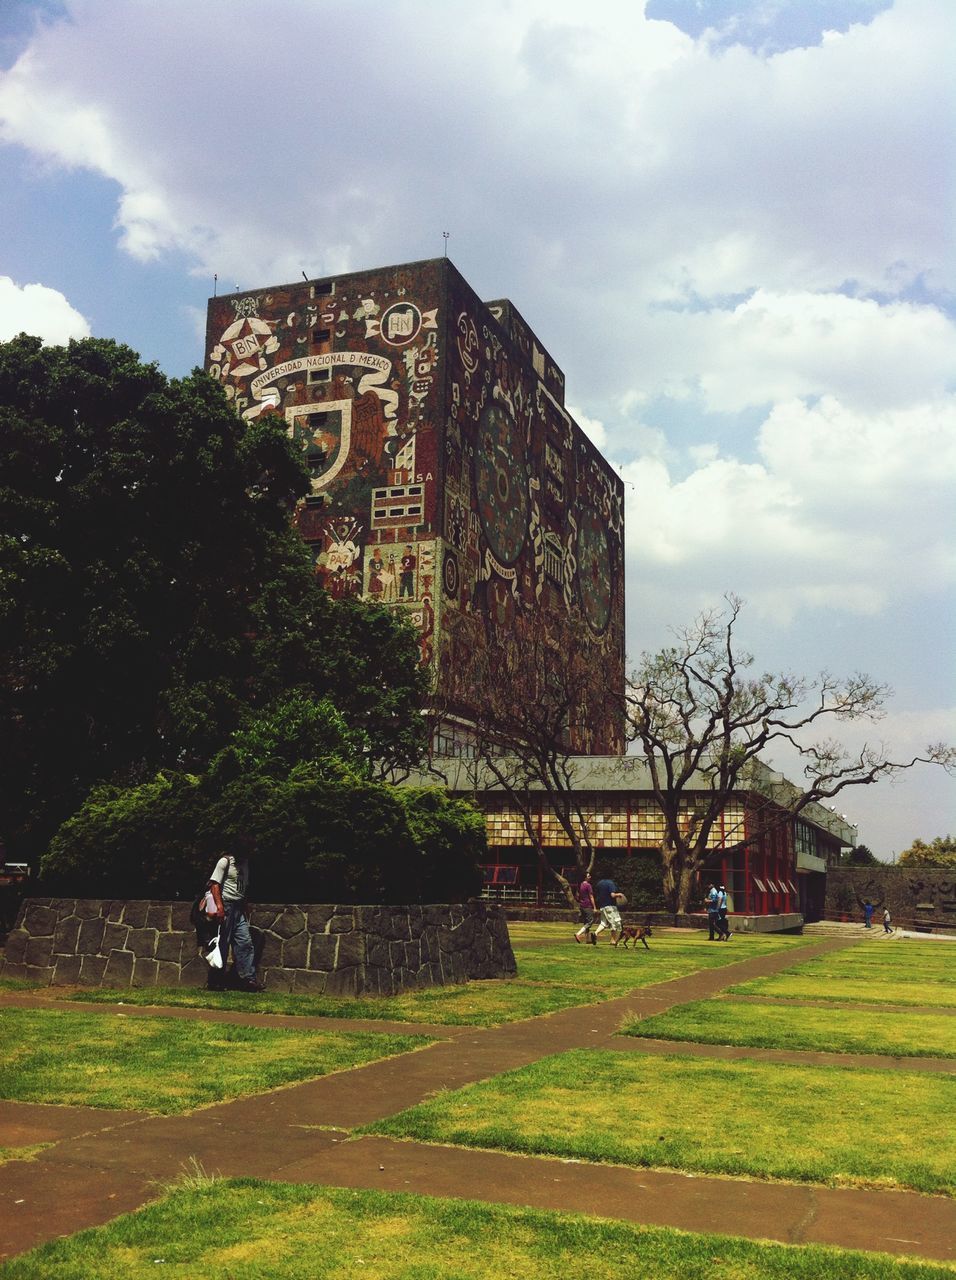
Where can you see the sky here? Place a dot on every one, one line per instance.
(730, 223)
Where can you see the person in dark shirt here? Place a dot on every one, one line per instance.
(607, 896)
(406, 582)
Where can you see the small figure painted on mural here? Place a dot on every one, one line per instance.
(376, 567)
(336, 582)
(407, 584)
(389, 577)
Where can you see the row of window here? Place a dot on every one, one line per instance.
(642, 827)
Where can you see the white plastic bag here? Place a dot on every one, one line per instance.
(212, 953)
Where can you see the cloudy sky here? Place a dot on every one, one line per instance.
(730, 222)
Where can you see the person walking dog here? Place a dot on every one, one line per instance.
(608, 898)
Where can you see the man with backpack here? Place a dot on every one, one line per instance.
(228, 884)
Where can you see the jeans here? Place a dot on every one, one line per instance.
(712, 924)
(235, 933)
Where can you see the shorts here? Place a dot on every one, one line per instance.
(611, 917)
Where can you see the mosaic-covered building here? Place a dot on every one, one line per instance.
(448, 478)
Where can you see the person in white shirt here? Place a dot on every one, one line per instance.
(228, 884)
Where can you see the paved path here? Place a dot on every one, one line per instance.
(104, 1163)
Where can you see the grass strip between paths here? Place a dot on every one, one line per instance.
(903, 973)
(156, 1064)
(735, 1022)
(288, 1232)
(871, 989)
(832, 1125)
(549, 978)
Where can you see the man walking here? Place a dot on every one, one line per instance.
(608, 897)
(586, 903)
(710, 902)
(723, 927)
(228, 883)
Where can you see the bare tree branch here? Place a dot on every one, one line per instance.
(703, 724)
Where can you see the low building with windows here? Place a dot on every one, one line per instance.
(773, 865)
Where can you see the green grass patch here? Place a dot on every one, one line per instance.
(768, 1026)
(921, 974)
(827, 1125)
(162, 1065)
(553, 974)
(286, 1232)
(23, 1153)
(17, 984)
(482, 1003)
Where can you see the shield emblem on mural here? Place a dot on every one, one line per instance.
(322, 433)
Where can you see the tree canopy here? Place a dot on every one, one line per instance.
(703, 723)
(152, 591)
(294, 781)
(861, 856)
(940, 852)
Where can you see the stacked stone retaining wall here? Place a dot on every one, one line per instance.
(918, 897)
(320, 949)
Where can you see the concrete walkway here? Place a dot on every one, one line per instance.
(105, 1163)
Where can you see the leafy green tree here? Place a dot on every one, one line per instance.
(940, 852)
(323, 832)
(152, 590)
(861, 856)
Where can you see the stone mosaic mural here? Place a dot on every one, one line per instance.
(448, 480)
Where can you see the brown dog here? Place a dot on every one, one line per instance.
(634, 933)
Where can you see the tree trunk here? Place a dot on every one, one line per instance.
(677, 877)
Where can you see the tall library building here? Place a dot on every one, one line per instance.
(449, 481)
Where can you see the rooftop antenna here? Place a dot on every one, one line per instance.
(305, 277)
(215, 283)
(445, 235)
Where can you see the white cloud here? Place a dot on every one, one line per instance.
(682, 167)
(33, 308)
(775, 347)
(592, 428)
(842, 511)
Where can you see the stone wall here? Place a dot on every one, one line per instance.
(320, 949)
(918, 897)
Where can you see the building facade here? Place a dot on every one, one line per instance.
(772, 864)
(448, 480)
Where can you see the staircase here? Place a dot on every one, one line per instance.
(841, 929)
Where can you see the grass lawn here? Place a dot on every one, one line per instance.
(830, 1125)
(768, 1026)
(553, 973)
(904, 973)
(288, 1232)
(483, 1003)
(159, 1065)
